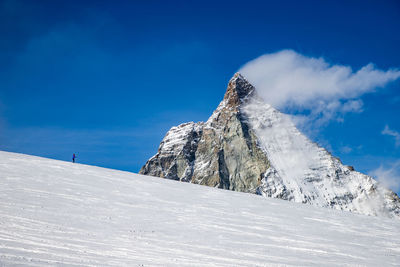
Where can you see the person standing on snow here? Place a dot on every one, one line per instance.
(73, 158)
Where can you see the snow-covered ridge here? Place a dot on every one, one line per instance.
(56, 213)
(307, 173)
(175, 139)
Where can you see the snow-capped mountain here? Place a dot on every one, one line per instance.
(249, 146)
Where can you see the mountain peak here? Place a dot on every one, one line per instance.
(237, 75)
(249, 146)
(238, 90)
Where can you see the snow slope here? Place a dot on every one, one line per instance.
(59, 213)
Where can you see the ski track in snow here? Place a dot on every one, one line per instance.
(59, 213)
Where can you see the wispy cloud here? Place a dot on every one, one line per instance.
(346, 149)
(388, 176)
(291, 81)
(395, 134)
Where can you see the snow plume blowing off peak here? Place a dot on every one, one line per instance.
(290, 81)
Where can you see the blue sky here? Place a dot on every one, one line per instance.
(107, 79)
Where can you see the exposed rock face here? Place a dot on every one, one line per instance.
(176, 154)
(223, 152)
(248, 146)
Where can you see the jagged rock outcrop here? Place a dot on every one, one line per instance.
(248, 146)
(222, 152)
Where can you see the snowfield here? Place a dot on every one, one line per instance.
(58, 213)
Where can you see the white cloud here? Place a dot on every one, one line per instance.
(395, 134)
(388, 176)
(346, 149)
(290, 81)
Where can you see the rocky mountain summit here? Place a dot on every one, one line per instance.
(249, 146)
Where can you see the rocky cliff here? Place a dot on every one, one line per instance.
(248, 146)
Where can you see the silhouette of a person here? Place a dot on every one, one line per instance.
(73, 158)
